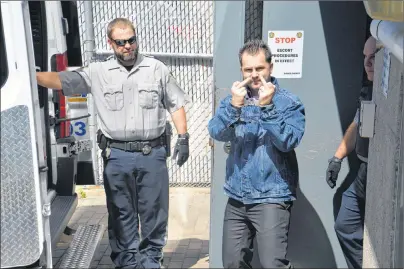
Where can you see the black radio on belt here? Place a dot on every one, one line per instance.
(102, 141)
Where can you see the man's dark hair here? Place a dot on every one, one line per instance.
(252, 47)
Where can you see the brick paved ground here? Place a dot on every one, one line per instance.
(188, 228)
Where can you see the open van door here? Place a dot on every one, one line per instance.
(24, 208)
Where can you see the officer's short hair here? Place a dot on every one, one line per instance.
(252, 47)
(116, 22)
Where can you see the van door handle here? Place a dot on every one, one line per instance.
(65, 26)
(55, 121)
(43, 169)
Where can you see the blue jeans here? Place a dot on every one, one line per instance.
(136, 188)
(350, 220)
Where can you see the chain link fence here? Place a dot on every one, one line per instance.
(180, 34)
(253, 19)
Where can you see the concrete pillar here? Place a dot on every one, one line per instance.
(383, 239)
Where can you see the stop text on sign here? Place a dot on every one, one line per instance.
(285, 39)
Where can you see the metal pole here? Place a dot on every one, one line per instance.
(89, 40)
(390, 33)
(89, 48)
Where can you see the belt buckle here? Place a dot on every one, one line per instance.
(146, 149)
(131, 146)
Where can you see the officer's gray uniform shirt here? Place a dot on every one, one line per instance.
(132, 104)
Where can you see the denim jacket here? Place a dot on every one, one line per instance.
(262, 165)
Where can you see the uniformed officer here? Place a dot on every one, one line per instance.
(132, 93)
(349, 223)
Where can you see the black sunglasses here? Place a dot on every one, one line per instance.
(122, 42)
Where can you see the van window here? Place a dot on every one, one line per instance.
(3, 55)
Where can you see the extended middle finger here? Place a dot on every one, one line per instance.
(264, 82)
(244, 82)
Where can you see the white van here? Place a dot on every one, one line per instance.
(39, 156)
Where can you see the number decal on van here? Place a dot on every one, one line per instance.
(81, 128)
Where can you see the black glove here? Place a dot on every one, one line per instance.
(181, 149)
(334, 165)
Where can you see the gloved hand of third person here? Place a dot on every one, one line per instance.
(181, 149)
(334, 166)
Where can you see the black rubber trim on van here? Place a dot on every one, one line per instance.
(3, 55)
(40, 41)
(55, 100)
(37, 12)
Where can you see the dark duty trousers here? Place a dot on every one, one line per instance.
(269, 223)
(136, 188)
(350, 220)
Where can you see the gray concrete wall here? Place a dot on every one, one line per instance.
(329, 89)
(384, 186)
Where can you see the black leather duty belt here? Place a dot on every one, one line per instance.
(140, 146)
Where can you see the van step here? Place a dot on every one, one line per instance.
(83, 246)
(62, 210)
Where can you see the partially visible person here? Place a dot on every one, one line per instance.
(264, 123)
(350, 220)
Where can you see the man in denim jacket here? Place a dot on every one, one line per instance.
(264, 124)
